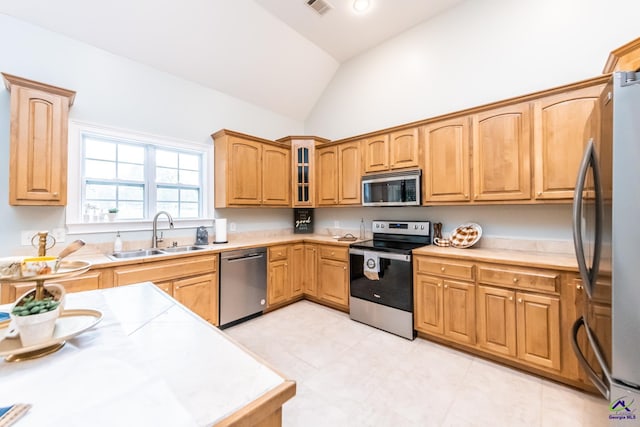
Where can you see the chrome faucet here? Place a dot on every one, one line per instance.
(155, 240)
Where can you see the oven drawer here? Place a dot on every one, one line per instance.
(455, 269)
(535, 279)
(334, 252)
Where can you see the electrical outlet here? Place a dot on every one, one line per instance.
(25, 237)
(232, 226)
(336, 224)
(59, 234)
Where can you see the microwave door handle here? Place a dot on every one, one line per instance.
(577, 218)
(602, 387)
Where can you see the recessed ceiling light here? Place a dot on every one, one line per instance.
(361, 6)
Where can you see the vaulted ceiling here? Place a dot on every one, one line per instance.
(278, 54)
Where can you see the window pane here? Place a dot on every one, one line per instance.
(171, 207)
(189, 177)
(130, 172)
(131, 210)
(169, 176)
(97, 149)
(100, 169)
(189, 196)
(101, 191)
(131, 153)
(168, 194)
(189, 161)
(189, 210)
(130, 192)
(167, 158)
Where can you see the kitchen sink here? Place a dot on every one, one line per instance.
(136, 254)
(181, 249)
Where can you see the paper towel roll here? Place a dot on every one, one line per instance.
(221, 230)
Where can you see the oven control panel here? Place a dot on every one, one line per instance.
(413, 228)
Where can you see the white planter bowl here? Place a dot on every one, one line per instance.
(37, 328)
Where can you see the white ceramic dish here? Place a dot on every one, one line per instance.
(68, 325)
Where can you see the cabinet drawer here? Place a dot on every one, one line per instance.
(539, 280)
(159, 271)
(277, 253)
(334, 252)
(455, 269)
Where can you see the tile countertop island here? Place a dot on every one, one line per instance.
(150, 361)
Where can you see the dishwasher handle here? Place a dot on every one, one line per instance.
(244, 257)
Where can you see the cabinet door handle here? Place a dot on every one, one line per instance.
(442, 269)
(285, 264)
(446, 286)
(510, 298)
(344, 268)
(439, 285)
(515, 280)
(520, 300)
(54, 194)
(579, 287)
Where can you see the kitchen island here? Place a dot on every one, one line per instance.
(150, 361)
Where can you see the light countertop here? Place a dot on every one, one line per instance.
(149, 361)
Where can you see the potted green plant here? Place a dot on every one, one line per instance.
(112, 213)
(35, 319)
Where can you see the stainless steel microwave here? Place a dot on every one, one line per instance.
(392, 189)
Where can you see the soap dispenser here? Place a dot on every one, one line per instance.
(117, 244)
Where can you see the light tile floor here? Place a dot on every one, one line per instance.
(350, 374)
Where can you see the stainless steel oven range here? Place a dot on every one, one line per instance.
(381, 271)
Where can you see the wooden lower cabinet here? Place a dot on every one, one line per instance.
(333, 275)
(199, 294)
(278, 277)
(515, 314)
(459, 311)
(427, 298)
(310, 270)
(520, 324)
(445, 307)
(191, 280)
(93, 279)
(496, 320)
(538, 329)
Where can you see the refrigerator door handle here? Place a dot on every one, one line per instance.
(589, 160)
(603, 388)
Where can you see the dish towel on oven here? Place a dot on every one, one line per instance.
(371, 265)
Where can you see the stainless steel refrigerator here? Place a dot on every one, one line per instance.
(606, 233)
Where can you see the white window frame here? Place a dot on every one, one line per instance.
(74, 214)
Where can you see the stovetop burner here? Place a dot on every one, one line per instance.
(397, 237)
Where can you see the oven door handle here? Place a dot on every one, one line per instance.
(382, 255)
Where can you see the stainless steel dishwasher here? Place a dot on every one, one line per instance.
(243, 285)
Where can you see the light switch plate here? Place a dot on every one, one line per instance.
(232, 226)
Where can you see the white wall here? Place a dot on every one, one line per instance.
(476, 53)
(115, 91)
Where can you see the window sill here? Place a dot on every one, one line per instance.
(134, 225)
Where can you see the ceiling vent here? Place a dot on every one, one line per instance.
(320, 6)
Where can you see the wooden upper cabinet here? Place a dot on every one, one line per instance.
(349, 174)
(563, 125)
(338, 174)
(327, 175)
(38, 153)
(396, 150)
(275, 176)
(447, 172)
(302, 172)
(404, 148)
(245, 172)
(376, 153)
(501, 154)
(250, 171)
